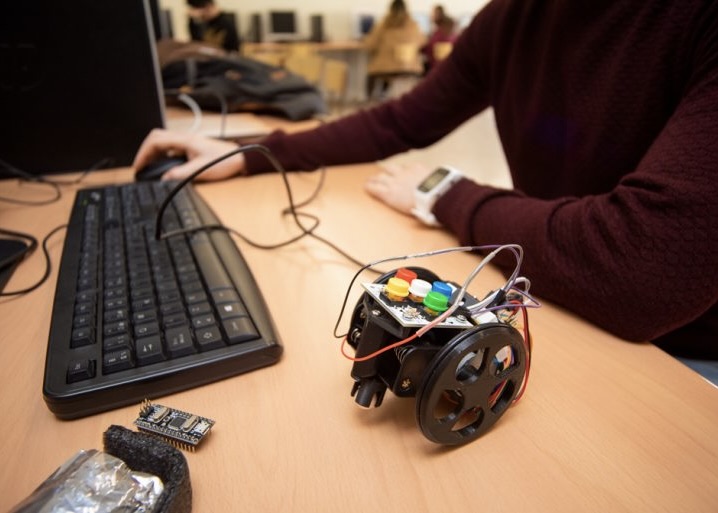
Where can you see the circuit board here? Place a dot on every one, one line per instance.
(412, 314)
(179, 428)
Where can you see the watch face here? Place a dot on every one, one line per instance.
(433, 179)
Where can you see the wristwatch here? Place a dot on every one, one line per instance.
(430, 190)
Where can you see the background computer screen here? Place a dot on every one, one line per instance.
(282, 24)
(79, 83)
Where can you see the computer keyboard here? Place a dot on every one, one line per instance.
(136, 318)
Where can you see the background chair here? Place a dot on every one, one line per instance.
(334, 85)
(407, 73)
(308, 66)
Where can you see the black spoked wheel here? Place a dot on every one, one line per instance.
(470, 383)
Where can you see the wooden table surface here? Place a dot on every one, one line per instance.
(604, 426)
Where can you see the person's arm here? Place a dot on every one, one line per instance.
(640, 260)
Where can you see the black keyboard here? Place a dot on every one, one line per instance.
(135, 318)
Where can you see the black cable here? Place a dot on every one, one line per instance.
(101, 164)
(291, 210)
(48, 266)
(41, 179)
(25, 176)
(313, 195)
(346, 299)
(317, 189)
(19, 256)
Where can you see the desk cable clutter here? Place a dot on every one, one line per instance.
(465, 360)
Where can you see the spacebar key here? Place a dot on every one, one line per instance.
(210, 265)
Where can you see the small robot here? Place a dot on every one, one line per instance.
(465, 369)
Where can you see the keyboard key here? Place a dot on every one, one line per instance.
(80, 370)
(143, 304)
(117, 361)
(87, 308)
(117, 343)
(80, 321)
(199, 309)
(239, 329)
(225, 296)
(229, 310)
(195, 297)
(119, 314)
(144, 316)
(112, 304)
(203, 321)
(214, 274)
(171, 308)
(146, 329)
(179, 342)
(116, 328)
(82, 337)
(173, 320)
(209, 338)
(149, 350)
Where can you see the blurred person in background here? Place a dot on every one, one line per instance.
(394, 48)
(207, 23)
(444, 32)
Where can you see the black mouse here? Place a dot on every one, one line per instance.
(155, 169)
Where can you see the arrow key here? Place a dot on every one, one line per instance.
(149, 350)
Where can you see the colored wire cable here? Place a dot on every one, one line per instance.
(518, 252)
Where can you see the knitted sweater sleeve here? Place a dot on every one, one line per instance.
(640, 260)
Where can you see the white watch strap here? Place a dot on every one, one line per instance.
(424, 201)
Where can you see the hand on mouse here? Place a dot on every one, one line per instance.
(199, 150)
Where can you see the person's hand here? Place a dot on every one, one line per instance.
(395, 185)
(198, 150)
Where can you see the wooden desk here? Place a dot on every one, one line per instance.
(605, 425)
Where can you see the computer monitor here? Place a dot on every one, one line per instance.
(79, 83)
(362, 22)
(282, 26)
(366, 23)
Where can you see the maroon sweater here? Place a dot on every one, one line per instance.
(608, 115)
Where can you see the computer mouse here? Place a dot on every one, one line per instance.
(155, 169)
